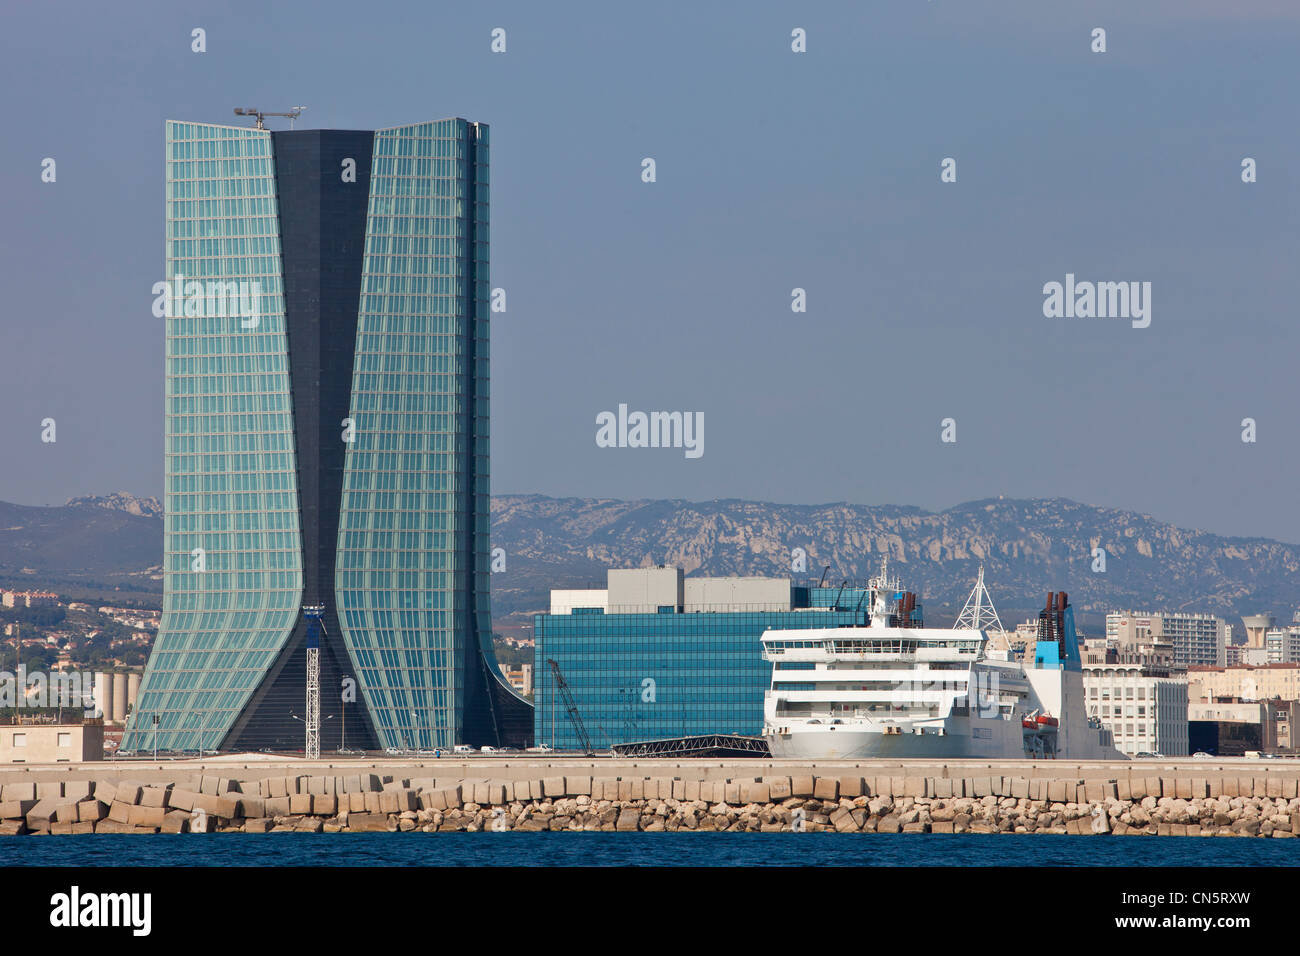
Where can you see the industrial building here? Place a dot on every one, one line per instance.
(1143, 702)
(657, 654)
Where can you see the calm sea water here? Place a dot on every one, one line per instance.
(640, 849)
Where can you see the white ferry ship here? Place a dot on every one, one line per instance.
(896, 688)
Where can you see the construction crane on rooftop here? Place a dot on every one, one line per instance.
(293, 114)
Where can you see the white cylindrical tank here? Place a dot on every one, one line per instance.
(132, 690)
(104, 694)
(119, 698)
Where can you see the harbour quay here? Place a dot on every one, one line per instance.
(1241, 798)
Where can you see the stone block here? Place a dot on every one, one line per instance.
(182, 799)
(16, 809)
(1273, 786)
(852, 787)
(367, 822)
(943, 787)
(912, 787)
(119, 812)
(49, 790)
(250, 806)
(1183, 788)
(825, 788)
(299, 803)
(141, 815)
(1019, 788)
(357, 803)
(731, 793)
(1200, 788)
(801, 786)
(756, 793)
(577, 786)
(260, 825)
(352, 783)
(1291, 788)
(628, 819)
(77, 790)
(91, 811)
(277, 806)
(17, 791)
(778, 788)
(153, 797)
(128, 793)
(176, 821)
(1056, 791)
(326, 804)
(1092, 791)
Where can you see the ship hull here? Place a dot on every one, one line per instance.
(998, 739)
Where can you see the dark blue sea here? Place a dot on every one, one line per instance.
(640, 849)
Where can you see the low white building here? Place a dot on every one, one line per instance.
(1145, 707)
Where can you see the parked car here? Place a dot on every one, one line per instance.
(462, 749)
(1202, 755)
(487, 750)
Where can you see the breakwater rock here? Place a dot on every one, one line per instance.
(1164, 806)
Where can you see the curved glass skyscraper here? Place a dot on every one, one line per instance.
(327, 442)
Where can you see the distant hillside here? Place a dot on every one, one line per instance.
(1028, 547)
(82, 547)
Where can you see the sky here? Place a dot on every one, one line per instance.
(775, 170)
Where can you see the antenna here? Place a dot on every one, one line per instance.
(293, 114)
(979, 611)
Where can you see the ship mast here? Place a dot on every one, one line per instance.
(979, 614)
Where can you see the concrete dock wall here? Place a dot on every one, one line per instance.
(361, 799)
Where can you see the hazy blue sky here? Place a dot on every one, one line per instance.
(775, 170)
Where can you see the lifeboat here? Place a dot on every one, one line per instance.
(1048, 723)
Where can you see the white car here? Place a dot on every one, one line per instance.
(487, 750)
(462, 749)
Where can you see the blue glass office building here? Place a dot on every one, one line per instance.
(330, 449)
(670, 671)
